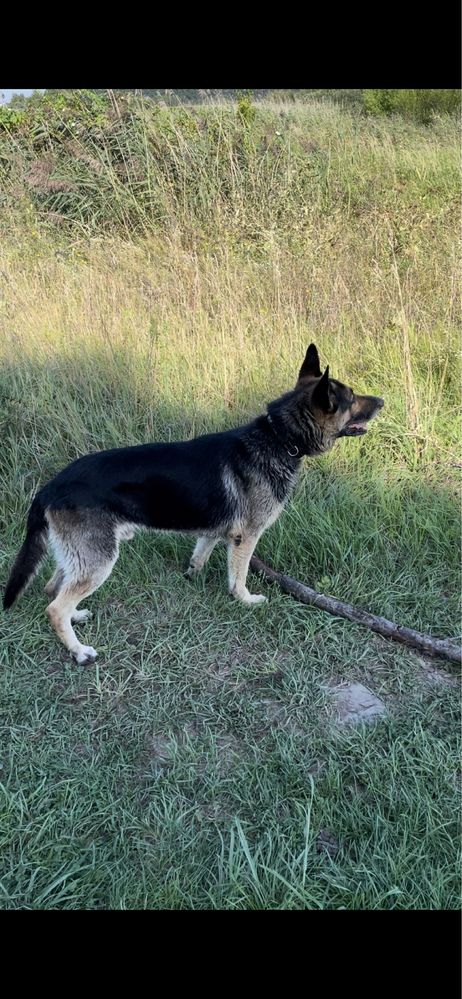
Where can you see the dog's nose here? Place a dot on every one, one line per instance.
(380, 403)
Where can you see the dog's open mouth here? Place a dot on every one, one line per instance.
(357, 425)
(353, 429)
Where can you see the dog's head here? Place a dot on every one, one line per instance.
(334, 408)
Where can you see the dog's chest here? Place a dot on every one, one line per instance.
(268, 497)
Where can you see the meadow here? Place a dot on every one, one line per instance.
(162, 272)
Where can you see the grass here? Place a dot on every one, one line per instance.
(197, 764)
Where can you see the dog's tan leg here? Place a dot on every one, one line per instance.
(85, 544)
(62, 610)
(201, 554)
(52, 589)
(60, 613)
(240, 551)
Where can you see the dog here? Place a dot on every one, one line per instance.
(227, 486)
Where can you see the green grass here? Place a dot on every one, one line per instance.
(198, 764)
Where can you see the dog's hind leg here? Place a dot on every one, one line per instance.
(201, 554)
(59, 614)
(54, 584)
(240, 550)
(86, 548)
(62, 611)
(52, 589)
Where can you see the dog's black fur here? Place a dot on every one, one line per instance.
(171, 487)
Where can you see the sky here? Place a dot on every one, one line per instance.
(6, 95)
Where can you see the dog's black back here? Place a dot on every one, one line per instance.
(179, 486)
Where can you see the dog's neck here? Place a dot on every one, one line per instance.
(299, 437)
(292, 449)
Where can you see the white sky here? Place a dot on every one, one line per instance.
(7, 94)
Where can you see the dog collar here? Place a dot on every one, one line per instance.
(292, 449)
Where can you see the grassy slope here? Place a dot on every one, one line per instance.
(197, 764)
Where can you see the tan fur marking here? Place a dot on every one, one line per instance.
(238, 567)
(201, 554)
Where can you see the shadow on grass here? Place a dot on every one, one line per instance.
(376, 535)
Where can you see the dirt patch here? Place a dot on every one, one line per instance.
(229, 667)
(83, 750)
(430, 674)
(278, 716)
(273, 679)
(229, 750)
(326, 842)
(162, 750)
(212, 812)
(225, 749)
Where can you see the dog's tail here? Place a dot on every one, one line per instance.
(30, 555)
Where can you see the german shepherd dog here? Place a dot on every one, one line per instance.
(229, 486)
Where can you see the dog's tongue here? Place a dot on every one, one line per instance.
(356, 426)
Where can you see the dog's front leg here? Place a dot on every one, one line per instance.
(240, 550)
(201, 554)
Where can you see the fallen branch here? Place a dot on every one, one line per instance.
(425, 643)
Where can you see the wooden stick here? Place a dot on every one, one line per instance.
(445, 648)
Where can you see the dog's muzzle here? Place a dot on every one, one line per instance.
(357, 425)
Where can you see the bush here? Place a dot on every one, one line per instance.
(10, 118)
(421, 105)
(245, 109)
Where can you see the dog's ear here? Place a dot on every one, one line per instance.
(310, 367)
(321, 397)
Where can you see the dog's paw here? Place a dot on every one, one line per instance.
(84, 655)
(193, 570)
(81, 615)
(256, 598)
(249, 598)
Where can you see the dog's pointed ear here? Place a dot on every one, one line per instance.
(310, 367)
(321, 395)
